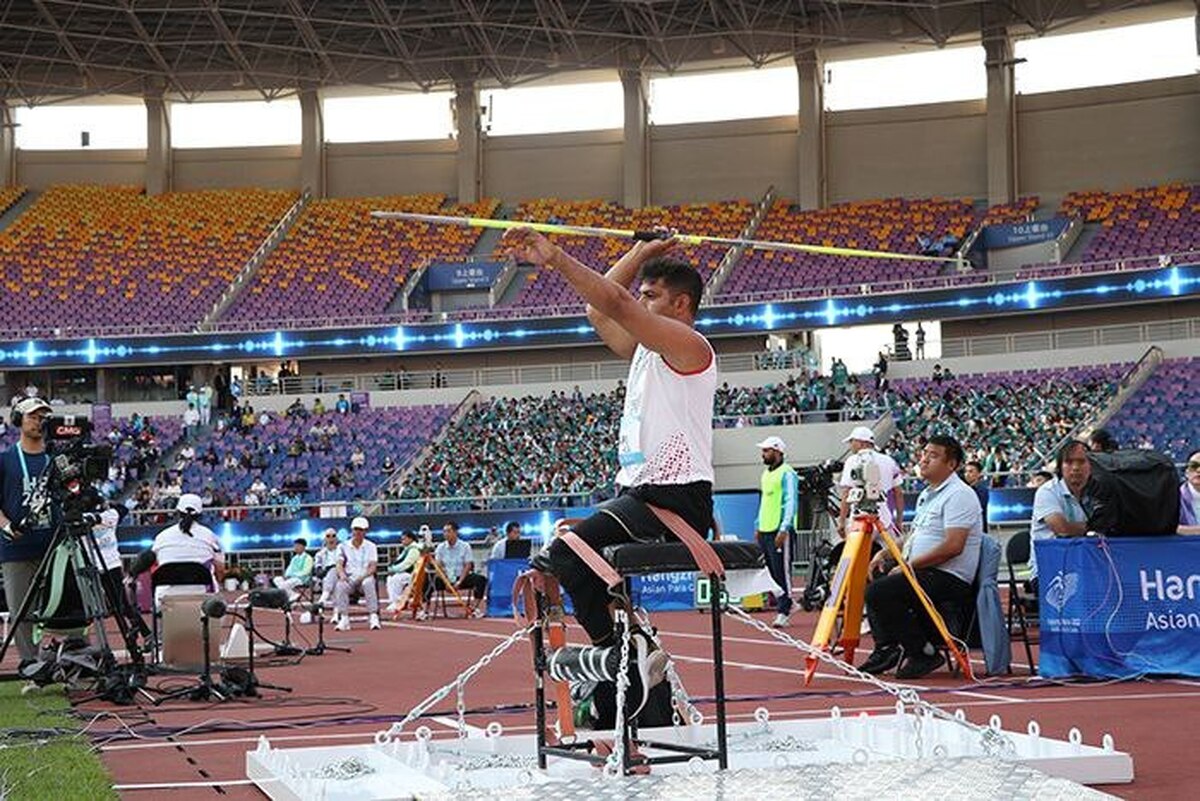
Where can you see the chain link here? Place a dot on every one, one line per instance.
(994, 743)
(461, 708)
(616, 760)
(679, 693)
(459, 683)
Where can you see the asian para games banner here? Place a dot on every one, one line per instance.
(1119, 607)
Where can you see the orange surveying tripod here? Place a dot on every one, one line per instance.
(413, 597)
(848, 588)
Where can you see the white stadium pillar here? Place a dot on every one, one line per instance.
(158, 176)
(811, 140)
(635, 152)
(470, 149)
(312, 143)
(1001, 113)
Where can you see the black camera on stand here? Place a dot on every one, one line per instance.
(76, 464)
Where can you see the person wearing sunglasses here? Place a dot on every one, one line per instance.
(1059, 504)
(1189, 497)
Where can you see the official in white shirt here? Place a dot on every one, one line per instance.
(188, 542)
(357, 560)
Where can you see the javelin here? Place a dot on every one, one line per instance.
(645, 236)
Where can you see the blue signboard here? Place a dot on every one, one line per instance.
(735, 512)
(1119, 607)
(1011, 235)
(452, 276)
(1005, 505)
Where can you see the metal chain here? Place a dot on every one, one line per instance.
(679, 693)
(386, 736)
(994, 743)
(616, 760)
(461, 708)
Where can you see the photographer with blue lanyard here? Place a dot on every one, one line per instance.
(26, 518)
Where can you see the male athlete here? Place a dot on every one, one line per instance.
(665, 444)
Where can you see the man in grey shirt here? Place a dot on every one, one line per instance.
(942, 551)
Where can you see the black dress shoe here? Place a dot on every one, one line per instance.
(920, 665)
(881, 660)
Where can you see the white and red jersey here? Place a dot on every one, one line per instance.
(666, 427)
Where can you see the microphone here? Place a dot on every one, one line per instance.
(213, 607)
(269, 599)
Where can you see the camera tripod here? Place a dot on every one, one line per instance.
(73, 551)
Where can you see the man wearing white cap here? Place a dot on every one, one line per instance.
(357, 560)
(778, 511)
(862, 440)
(26, 523)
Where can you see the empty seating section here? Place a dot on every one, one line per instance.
(267, 449)
(339, 262)
(109, 255)
(893, 225)
(547, 289)
(1139, 222)
(1024, 413)
(1020, 210)
(1164, 412)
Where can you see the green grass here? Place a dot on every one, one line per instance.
(41, 767)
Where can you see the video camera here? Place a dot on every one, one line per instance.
(76, 463)
(817, 482)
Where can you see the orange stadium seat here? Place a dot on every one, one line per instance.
(111, 256)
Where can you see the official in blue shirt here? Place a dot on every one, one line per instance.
(942, 551)
(26, 519)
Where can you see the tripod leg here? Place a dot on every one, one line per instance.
(963, 662)
(852, 610)
(839, 587)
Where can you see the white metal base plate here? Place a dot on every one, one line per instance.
(844, 757)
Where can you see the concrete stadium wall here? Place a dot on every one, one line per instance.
(1106, 137)
(391, 168)
(1109, 137)
(914, 151)
(39, 169)
(571, 166)
(232, 167)
(723, 160)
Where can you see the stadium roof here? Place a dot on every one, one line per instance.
(68, 48)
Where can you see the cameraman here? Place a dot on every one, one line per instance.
(26, 518)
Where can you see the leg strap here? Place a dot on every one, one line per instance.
(702, 551)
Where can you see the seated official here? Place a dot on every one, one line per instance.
(456, 561)
(299, 570)
(1189, 497)
(400, 571)
(325, 565)
(187, 551)
(357, 560)
(942, 551)
(1058, 505)
(512, 533)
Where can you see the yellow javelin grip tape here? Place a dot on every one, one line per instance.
(619, 233)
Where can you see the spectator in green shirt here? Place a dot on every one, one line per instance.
(299, 570)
